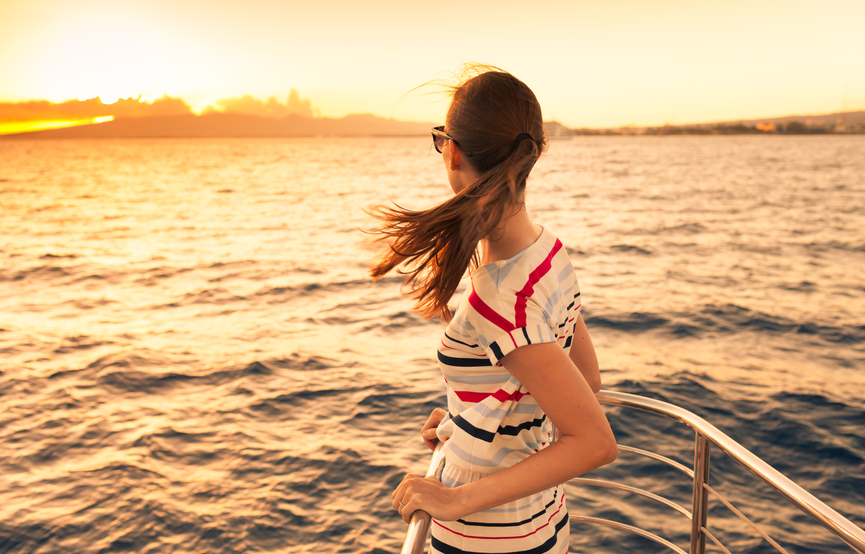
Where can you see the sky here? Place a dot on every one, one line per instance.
(591, 63)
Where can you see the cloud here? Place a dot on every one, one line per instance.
(273, 108)
(43, 110)
(14, 113)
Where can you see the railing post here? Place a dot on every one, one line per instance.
(698, 511)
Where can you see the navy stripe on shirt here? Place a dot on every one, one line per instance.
(516, 523)
(488, 436)
(548, 545)
(464, 362)
(450, 338)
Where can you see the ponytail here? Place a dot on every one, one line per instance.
(435, 246)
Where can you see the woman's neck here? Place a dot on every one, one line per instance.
(515, 235)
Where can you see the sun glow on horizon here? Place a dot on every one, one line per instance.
(15, 127)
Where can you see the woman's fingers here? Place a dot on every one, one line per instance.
(406, 511)
(400, 490)
(428, 431)
(430, 439)
(416, 493)
(402, 497)
(434, 419)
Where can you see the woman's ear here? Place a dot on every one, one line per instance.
(454, 156)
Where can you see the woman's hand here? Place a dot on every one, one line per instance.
(427, 494)
(428, 432)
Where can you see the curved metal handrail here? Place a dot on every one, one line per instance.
(664, 459)
(705, 433)
(630, 529)
(805, 501)
(418, 527)
(632, 490)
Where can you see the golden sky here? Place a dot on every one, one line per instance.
(591, 63)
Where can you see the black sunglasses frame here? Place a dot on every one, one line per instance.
(439, 136)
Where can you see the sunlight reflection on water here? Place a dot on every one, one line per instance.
(193, 355)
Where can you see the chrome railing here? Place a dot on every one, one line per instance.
(418, 527)
(706, 436)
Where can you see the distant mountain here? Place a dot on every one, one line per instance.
(849, 118)
(838, 122)
(832, 123)
(557, 130)
(356, 125)
(233, 125)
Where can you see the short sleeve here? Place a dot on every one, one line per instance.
(503, 324)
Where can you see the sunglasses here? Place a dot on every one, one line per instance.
(439, 137)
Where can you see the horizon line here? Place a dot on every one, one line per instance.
(249, 105)
(39, 126)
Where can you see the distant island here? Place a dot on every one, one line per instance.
(296, 125)
(826, 124)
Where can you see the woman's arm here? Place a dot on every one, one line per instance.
(583, 355)
(586, 442)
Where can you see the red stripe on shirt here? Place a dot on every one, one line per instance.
(503, 396)
(561, 502)
(529, 288)
(500, 395)
(488, 313)
(491, 315)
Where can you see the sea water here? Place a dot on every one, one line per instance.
(194, 359)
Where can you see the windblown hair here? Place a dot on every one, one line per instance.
(434, 247)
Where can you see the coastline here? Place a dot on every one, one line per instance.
(219, 125)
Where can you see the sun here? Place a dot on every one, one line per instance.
(112, 56)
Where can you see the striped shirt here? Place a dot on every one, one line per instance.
(493, 421)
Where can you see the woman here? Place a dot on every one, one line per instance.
(516, 354)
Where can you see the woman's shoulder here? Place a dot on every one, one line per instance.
(522, 301)
(542, 276)
(546, 257)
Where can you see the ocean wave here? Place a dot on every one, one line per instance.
(285, 404)
(131, 381)
(631, 249)
(214, 297)
(79, 343)
(834, 245)
(724, 319)
(88, 303)
(144, 372)
(286, 293)
(686, 228)
(42, 272)
(801, 286)
(397, 321)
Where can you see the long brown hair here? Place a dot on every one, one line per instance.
(489, 109)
